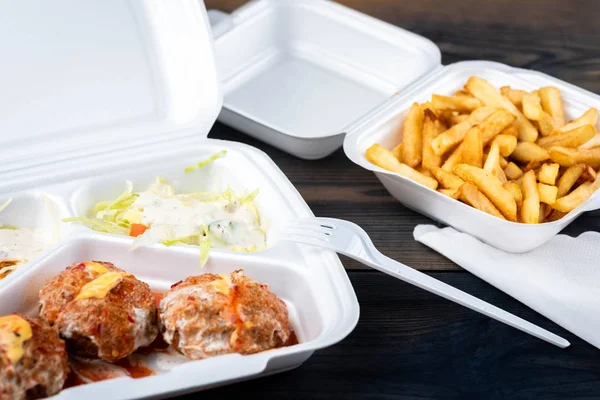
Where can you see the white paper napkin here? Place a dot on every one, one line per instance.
(560, 279)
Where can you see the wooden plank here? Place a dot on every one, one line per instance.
(410, 344)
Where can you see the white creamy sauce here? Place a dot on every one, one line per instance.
(230, 224)
(21, 243)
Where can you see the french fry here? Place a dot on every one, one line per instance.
(503, 162)
(514, 189)
(570, 202)
(573, 138)
(448, 180)
(452, 193)
(590, 117)
(488, 95)
(494, 124)
(568, 179)
(548, 173)
(491, 186)
(552, 104)
(506, 143)
(412, 150)
(568, 157)
(454, 159)
(455, 103)
(512, 171)
(456, 134)
(555, 215)
(547, 193)
(384, 158)
(461, 92)
(472, 149)
(492, 163)
(526, 152)
(593, 142)
(471, 195)
(397, 152)
(457, 119)
(511, 130)
(530, 210)
(532, 108)
(430, 132)
(515, 96)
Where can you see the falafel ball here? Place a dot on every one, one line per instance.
(209, 315)
(100, 310)
(33, 359)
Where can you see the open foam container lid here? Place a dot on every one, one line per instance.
(83, 78)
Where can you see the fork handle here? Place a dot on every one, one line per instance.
(419, 279)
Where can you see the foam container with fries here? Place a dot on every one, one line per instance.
(508, 231)
(128, 92)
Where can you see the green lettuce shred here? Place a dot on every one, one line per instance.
(5, 204)
(204, 163)
(99, 225)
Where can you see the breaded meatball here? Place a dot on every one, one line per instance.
(33, 359)
(209, 315)
(100, 310)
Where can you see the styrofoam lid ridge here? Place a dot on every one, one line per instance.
(87, 77)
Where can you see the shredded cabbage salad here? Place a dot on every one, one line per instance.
(204, 219)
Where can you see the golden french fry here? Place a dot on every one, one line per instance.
(447, 179)
(471, 195)
(384, 158)
(461, 92)
(593, 142)
(575, 198)
(511, 130)
(567, 157)
(457, 119)
(568, 179)
(484, 91)
(543, 210)
(515, 96)
(590, 117)
(494, 124)
(454, 159)
(548, 173)
(455, 103)
(552, 104)
(472, 149)
(506, 143)
(555, 215)
(412, 150)
(572, 138)
(532, 108)
(547, 193)
(452, 193)
(526, 152)
(492, 163)
(503, 162)
(512, 171)
(430, 132)
(530, 210)
(514, 189)
(491, 186)
(397, 152)
(456, 134)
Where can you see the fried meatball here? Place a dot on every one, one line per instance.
(33, 359)
(95, 323)
(209, 315)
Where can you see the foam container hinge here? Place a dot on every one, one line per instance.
(384, 126)
(321, 301)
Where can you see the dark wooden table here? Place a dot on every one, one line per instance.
(410, 344)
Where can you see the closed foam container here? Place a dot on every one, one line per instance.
(100, 93)
(383, 125)
(297, 73)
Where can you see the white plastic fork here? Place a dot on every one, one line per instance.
(351, 240)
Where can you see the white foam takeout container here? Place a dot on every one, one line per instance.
(97, 94)
(383, 125)
(297, 73)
